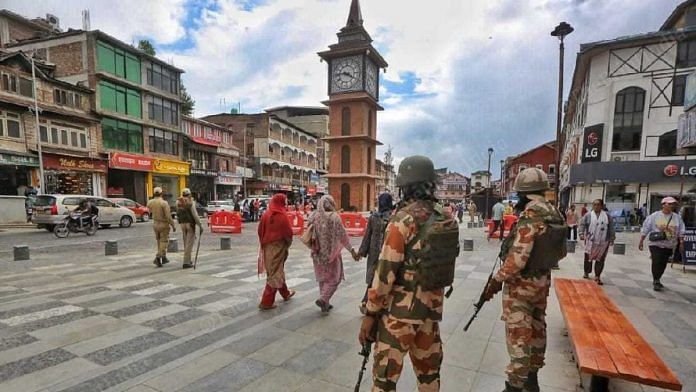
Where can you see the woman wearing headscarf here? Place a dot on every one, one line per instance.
(330, 238)
(597, 230)
(372, 242)
(275, 236)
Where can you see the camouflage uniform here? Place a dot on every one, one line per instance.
(525, 294)
(410, 319)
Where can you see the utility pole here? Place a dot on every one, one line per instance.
(561, 31)
(488, 183)
(37, 132)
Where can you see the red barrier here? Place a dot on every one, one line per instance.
(296, 222)
(508, 221)
(226, 222)
(354, 223)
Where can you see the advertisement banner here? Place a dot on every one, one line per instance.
(120, 160)
(689, 256)
(67, 163)
(171, 167)
(592, 143)
(19, 160)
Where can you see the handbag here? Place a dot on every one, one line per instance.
(307, 237)
(661, 235)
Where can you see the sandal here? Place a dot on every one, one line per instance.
(267, 307)
(292, 294)
(323, 305)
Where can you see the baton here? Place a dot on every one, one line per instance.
(198, 247)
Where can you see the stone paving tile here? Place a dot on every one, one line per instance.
(316, 357)
(144, 307)
(30, 309)
(56, 320)
(172, 292)
(636, 292)
(174, 319)
(206, 299)
(250, 344)
(80, 292)
(230, 378)
(16, 340)
(106, 339)
(130, 347)
(79, 329)
(43, 379)
(116, 297)
(192, 371)
(34, 363)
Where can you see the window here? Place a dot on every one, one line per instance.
(628, 119)
(345, 159)
(66, 98)
(70, 136)
(9, 83)
(162, 78)
(686, 54)
(369, 161)
(162, 110)
(522, 167)
(667, 145)
(199, 159)
(26, 87)
(345, 197)
(345, 121)
(678, 90)
(17, 85)
(118, 62)
(552, 169)
(369, 122)
(119, 99)
(9, 125)
(122, 135)
(164, 142)
(540, 167)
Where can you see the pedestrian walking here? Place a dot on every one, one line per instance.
(597, 231)
(498, 211)
(407, 294)
(162, 220)
(509, 208)
(583, 210)
(275, 237)
(536, 244)
(188, 219)
(373, 239)
(472, 210)
(460, 212)
(330, 238)
(665, 231)
(572, 218)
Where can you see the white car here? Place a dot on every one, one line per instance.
(49, 210)
(219, 205)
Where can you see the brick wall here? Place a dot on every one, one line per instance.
(69, 57)
(358, 192)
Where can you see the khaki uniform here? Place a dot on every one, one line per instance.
(525, 293)
(410, 316)
(161, 222)
(188, 220)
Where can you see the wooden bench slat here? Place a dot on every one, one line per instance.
(605, 342)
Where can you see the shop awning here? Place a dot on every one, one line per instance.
(204, 141)
(626, 172)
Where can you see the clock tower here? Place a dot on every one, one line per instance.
(354, 66)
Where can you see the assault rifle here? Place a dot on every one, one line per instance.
(365, 353)
(478, 305)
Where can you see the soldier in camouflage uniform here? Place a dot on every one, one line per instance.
(407, 316)
(528, 254)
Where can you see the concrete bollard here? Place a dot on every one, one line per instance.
(173, 245)
(225, 243)
(110, 248)
(21, 252)
(570, 246)
(467, 245)
(619, 248)
(481, 224)
(470, 225)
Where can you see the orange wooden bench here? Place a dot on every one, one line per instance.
(605, 342)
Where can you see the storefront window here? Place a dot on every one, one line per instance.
(618, 194)
(69, 183)
(169, 185)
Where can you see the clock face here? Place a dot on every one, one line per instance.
(372, 79)
(346, 74)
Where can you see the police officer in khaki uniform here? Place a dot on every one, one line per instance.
(188, 219)
(162, 221)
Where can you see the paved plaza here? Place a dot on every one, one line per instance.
(72, 319)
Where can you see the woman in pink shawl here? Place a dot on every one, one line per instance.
(330, 238)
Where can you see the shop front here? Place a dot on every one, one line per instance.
(227, 185)
(16, 172)
(127, 176)
(629, 185)
(74, 175)
(170, 176)
(202, 184)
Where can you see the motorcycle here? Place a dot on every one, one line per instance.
(75, 222)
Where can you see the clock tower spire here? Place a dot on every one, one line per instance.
(354, 66)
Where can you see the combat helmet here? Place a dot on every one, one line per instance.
(415, 169)
(531, 180)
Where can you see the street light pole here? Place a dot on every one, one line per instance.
(37, 131)
(502, 172)
(561, 31)
(488, 183)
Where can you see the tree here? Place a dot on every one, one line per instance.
(146, 46)
(187, 103)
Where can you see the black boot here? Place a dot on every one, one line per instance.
(510, 388)
(188, 265)
(165, 260)
(532, 383)
(157, 261)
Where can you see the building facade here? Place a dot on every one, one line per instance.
(620, 129)
(542, 157)
(452, 187)
(480, 180)
(283, 156)
(213, 158)
(354, 66)
(137, 99)
(68, 131)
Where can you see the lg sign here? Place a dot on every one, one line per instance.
(592, 143)
(674, 170)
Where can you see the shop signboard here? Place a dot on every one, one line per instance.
(204, 172)
(18, 160)
(690, 93)
(314, 178)
(286, 188)
(73, 163)
(686, 130)
(321, 189)
(227, 151)
(120, 160)
(228, 180)
(689, 245)
(592, 143)
(171, 167)
(311, 190)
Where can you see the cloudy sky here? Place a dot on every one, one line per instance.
(463, 76)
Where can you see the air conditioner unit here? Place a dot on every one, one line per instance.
(53, 21)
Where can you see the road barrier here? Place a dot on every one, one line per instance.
(354, 223)
(296, 222)
(508, 222)
(226, 222)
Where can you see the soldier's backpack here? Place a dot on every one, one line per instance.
(549, 247)
(434, 263)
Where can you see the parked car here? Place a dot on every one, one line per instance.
(200, 209)
(50, 210)
(219, 205)
(142, 213)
